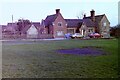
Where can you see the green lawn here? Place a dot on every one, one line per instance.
(40, 60)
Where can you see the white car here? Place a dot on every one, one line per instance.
(76, 35)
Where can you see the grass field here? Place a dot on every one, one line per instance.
(40, 60)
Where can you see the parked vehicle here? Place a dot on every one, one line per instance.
(94, 35)
(68, 35)
(76, 35)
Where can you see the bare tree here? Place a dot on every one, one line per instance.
(80, 15)
(115, 31)
(22, 23)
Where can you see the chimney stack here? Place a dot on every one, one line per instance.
(92, 15)
(57, 11)
(84, 15)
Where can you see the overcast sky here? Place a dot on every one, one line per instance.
(35, 10)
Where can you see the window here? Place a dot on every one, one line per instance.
(83, 26)
(53, 23)
(59, 23)
(104, 24)
(60, 33)
(70, 31)
(4, 30)
(90, 30)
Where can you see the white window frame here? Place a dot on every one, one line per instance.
(59, 23)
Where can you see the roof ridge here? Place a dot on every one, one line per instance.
(50, 18)
(73, 19)
(100, 15)
(96, 15)
(35, 22)
(51, 15)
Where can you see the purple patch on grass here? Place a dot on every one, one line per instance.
(82, 51)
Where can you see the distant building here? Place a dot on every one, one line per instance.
(58, 26)
(98, 23)
(55, 26)
(0, 31)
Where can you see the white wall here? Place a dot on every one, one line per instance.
(32, 32)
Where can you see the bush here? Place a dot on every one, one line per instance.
(115, 31)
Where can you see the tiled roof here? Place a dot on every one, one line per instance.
(3, 25)
(90, 23)
(73, 22)
(12, 24)
(36, 24)
(49, 19)
(97, 17)
(25, 28)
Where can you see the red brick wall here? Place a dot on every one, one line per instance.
(59, 28)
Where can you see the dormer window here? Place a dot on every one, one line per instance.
(59, 23)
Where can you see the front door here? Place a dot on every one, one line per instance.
(83, 32)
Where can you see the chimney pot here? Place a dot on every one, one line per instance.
(84, 15)
(57, 11)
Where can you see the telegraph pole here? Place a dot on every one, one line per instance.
(12, 18)
(12, 26)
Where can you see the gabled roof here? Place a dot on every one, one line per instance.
(97, 17)
(3, 25)
(25, 28)
(49, 19)
(36, 24)
(91, 23)
(88, 22)
(73, 22)
(12, 24)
